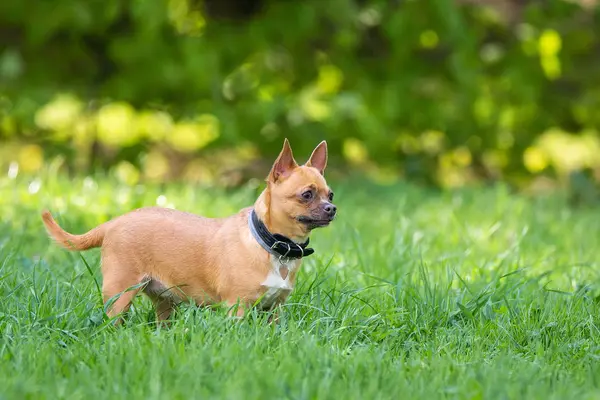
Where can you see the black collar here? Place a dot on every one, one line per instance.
(276, 244)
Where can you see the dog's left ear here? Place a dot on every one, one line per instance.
(318, 158)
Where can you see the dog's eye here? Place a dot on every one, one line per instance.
(330, 196)
(307, 195)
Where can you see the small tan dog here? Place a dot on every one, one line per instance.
(250, 258)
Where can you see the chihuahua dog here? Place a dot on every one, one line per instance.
(248, 259)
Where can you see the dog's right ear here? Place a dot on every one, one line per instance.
(284, 164)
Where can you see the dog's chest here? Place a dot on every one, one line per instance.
(278, 282)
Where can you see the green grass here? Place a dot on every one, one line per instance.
(478, 294)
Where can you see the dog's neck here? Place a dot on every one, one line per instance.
(264, 211)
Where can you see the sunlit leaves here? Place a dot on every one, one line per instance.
(549, 46)
(355, 151)
(190, 136)
(187, 20)
(156, 166)
(31, 158)
(60, 114)
(127, 173)
(549, 43)
(563, 151)
(154, 125)
(330, 79)
(116, 124)
(429, 39)
(414, 81)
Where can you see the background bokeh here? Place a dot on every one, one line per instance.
(442, 92)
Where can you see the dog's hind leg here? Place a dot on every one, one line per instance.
(120, 285)
(163, 305)
(161, 297)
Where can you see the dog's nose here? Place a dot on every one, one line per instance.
(330, 209)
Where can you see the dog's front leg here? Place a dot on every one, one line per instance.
(236, 308)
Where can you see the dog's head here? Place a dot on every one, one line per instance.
(300, 199)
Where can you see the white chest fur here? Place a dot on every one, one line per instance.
(275, 283)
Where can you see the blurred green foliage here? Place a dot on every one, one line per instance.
(444, 92)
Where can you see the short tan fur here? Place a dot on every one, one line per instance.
(179, 255)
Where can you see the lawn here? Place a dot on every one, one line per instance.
(473, 294)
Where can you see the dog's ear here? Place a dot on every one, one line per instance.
(318, 158)
(284, 164)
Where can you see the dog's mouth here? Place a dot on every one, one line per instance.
(314, 222)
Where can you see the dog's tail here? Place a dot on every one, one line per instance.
(72, 242)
